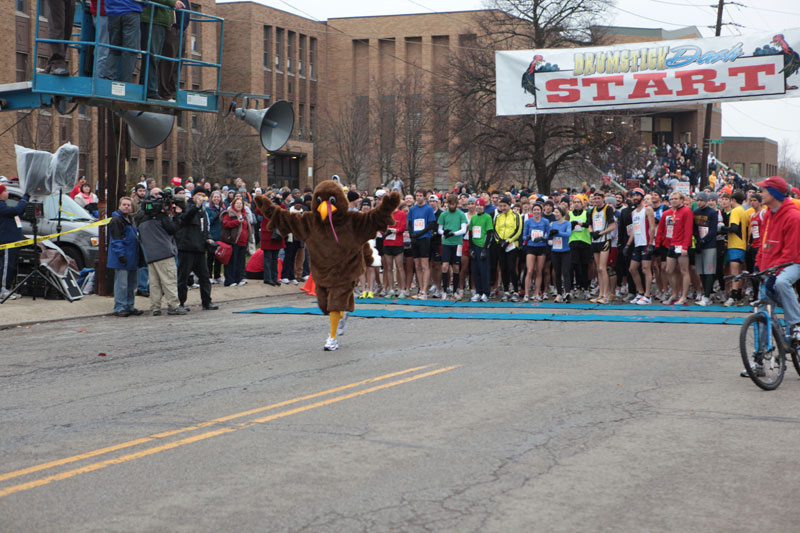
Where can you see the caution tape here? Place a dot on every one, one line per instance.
(28, 242)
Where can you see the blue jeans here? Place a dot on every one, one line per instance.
(101, 30)
(143, 283)
(124, 289)
(784, 286)
(271, 266)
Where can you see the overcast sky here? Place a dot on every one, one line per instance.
(776, 119)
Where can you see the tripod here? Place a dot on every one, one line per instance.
(30, 212)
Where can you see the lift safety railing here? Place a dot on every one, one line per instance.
(130, 93)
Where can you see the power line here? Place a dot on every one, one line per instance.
(647, 18)
(771, 126)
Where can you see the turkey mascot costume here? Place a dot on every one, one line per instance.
(337, 245)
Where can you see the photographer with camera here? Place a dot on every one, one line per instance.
(192, 240)
(10, 231)
(156, 235)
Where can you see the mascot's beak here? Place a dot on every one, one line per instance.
(325, 209)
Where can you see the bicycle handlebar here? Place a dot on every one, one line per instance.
(761, 274)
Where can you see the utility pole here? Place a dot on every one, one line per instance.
(709, 111)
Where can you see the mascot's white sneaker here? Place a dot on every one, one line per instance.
(342, 324)
(331, 344)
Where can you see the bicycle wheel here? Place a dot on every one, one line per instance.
(765, 367)
(796, 360)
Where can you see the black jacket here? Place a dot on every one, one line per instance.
(156, 236)
(192, 231)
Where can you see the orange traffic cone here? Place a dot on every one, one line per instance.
(310, 287)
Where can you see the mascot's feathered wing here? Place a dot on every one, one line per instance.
(337, 244)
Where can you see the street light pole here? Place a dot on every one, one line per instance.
(709, 111)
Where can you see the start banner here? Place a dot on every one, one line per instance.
(642, 75)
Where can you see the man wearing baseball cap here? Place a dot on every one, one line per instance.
(780, 244)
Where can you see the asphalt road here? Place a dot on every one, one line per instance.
(224, 422)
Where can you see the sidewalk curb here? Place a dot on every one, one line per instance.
(15, 325)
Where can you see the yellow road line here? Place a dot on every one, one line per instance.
(222, 431)
(143, 440)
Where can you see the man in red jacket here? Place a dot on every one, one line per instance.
(780, 243)
(678, 255)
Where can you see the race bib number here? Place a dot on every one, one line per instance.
(459, 249)
(629, 229)
(637, 228)
(669, 231)
(558, 242)
(419, 224)
(679, 249)
(703, 231)
(510, 247)
(754, 229)
(406, 238)
(18, 221)
(597, 224)
(477, 231)
(535, 234)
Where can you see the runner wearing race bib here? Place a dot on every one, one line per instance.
(640, 246)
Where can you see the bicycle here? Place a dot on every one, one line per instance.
(764, 355)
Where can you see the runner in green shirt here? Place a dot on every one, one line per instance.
(480, 230)
(452, 227)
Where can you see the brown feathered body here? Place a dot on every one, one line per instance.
(335, 266)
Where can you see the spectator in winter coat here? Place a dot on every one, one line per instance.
(192, 239)
(238, 232)
(123, 257)
(271, 243)
(214, 209)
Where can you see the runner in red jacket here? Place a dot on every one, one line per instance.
(678, 255)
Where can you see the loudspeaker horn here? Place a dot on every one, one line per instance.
(273, 124)
(147, 130)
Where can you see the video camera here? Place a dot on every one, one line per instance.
(155, 204)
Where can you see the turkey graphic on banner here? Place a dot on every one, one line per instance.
(645, 75)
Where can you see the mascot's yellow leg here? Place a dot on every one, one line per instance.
(336, 316)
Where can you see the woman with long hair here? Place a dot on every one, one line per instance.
(214, 208)
(234, 220)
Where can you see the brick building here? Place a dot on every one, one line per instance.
(323, 69)
(752, 157)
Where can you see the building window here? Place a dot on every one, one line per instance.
(22, 66)
(755, 170)
(268, 47)
(301, 59)
(290, 52)
(301, 113)
(195, 124)
(180, 120)
(278, 48)
(165, 170)
(195, 37)
(312, 121)
(738, 168)
(312, 58)
(22, 5)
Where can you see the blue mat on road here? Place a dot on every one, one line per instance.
(549, 305)
(467, 315)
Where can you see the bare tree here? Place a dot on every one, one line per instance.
(225, 148)
(788, 164)
(544, 142)
(413, 127)
(345, 137)
(385, 120)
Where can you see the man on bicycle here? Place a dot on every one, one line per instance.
(781, 244)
